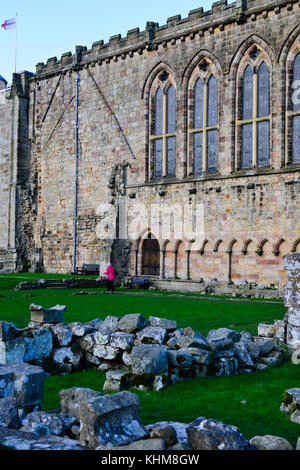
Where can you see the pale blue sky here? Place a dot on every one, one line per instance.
(48, 28)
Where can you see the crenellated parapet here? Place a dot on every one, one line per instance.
(197, 25)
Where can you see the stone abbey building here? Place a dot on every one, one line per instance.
(201, 112)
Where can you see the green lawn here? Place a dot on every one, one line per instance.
(217, 397)
(199, 312)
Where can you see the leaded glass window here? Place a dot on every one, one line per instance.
(294, 113)
(163, 137)
(255, 117)
(204, 130)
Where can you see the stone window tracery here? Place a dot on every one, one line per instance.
(203, 119)
(254, 116)
(293, 114)
(163, 127)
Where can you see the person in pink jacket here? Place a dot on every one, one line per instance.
(110, 272)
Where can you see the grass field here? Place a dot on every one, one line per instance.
(216, 397)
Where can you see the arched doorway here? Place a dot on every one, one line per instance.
(151, 256)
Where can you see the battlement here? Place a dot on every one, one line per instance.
(198, 22)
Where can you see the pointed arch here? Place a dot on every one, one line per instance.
(252, 71)
(202, 84)
(161, 122)
(151, 256)
(177, 244)
(202, 249)
(260, 247)
(196, 60)
(295, 245)
(245, 247)
(240, 52)
(288, 44)
(276, 250)
(231, 244)
(217, 244)
(164, 245)
(158, 68)
(290, 62)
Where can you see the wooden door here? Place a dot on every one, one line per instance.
(151, 254)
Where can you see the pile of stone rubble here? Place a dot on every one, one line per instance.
(134, 352)
(88, 419)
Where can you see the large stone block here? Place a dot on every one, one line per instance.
(226, 366)
(116, 381)
(28, 384)
(271, 443)
(43, 315)
(151, 335)
(62, 336)
(179, 358)
(149, 359)
(106, 352)
(120, 340)
(243, 355)
(209, 434)
(71, 399)
(200, 356)
(192, 339)
(41, 423)
(280, 330)
(291, 298)
(8, 331)
(266, 330)
(102, 337)
(132, 323)
(169, 325)
(66, 359)
(266, 345)
(290, 402)
(293, 316)
(291, 262)
(293, 280)
(223, 333)
(79, 330)
(38, 344)
(9, 416)
(19, 440)
(273, 359)
(292, 334)
(110, 420)
(110, 323)
(12, 350)
(6, 382)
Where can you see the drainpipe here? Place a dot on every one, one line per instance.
(77, 79)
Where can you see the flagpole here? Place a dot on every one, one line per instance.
(16, 43)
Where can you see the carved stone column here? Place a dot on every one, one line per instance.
(188, 254)
(292, 300)
(162, 264)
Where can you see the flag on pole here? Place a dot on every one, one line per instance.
(10, 24)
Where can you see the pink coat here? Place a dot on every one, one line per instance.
(110, 272)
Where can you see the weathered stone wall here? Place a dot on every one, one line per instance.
(6, 142)
(15, 190)
(251, 216)
(247, 232)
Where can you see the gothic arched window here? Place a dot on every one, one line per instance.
(204, 124)
(254, 123)
(293, 114)
(163, 132)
